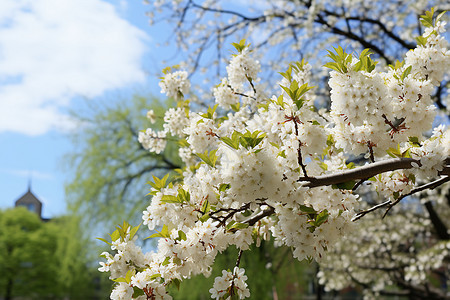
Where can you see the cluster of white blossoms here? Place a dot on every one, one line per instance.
(253, 172)
(223, 285)
(175, 84)
(152, 140)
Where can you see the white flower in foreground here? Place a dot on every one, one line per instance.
(230, 283)
(153, 141)
(174, 84)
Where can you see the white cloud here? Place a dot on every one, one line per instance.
(51, 51)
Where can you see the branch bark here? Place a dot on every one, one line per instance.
(365, 172)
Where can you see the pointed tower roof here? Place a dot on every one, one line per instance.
(30, 201)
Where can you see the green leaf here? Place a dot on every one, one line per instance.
(427, 18)
(183, 196)
(421, 41)
(137, 292)
(224, 186)
(206, 207)
(341, 60)
(230, 142)
(344, 185)
(398, 64)
(134, 230)
(321, 218)
(240, 46)
(164, 233)
(181, 235)
(183, 143)
(236, 226)
(250, 140)
(204, 218)
(158, 184)
(115, 235)
(177, 282)
(236, 107)
(176, 260)
(169, 199)
(166, 261)
(414, 141)
(405, 73)
(130, 274)
(209, 158)
(247, 213)
(210, 112)
(393, 152)
(103, 240)
(154, 276)
(307, 209)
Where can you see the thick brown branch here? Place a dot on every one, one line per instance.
(362, 172)
(366, 171)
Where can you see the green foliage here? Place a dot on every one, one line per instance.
(44, 260)
(316, 218)
(365, 63)
(397, 153)
(296, 67)
(210, 112)
(121, 233)
(248, 140)
(164, 233)
(240, 46)
(296, 93)
(427, 18)
(341, 60)
(427, 21)
(158, 184)
(210, 158)
(109, 165)
(171, 69)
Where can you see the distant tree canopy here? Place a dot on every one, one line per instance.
(43, 260)
(110, 165)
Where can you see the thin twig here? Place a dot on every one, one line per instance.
(365, 212)
(431, 186)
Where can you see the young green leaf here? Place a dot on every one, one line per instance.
(209, 158)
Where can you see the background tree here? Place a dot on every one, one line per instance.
(290, 30)
(110, 165)
(44, 260)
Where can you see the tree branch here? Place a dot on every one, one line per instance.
(431, 185)
(365, 172)
(439, 226)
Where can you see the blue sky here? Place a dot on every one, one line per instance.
(52, 55)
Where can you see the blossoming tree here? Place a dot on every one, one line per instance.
(262, 166)
(284, 29)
